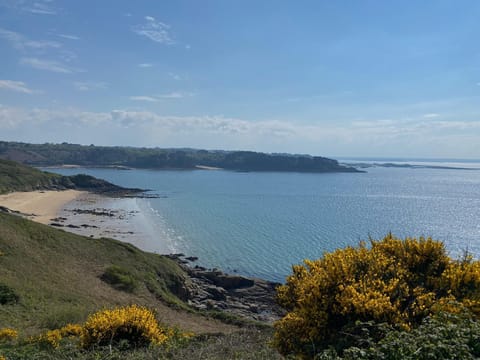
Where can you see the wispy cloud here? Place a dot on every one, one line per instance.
(431, 115)
(154, 30)
(21, 42)
(145, 65)
(143, 98)
(48, 65)
(89, 85)
(175, 95)
(40, 7)
(390, 137)
(156, 98)
(17, 86)
(69, 37)
(174, 76)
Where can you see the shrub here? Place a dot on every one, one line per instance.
(120, 278)
(133, 326)
(7, 334)
(443, 336)
(49, 339)
(397, 282)
(7, 295)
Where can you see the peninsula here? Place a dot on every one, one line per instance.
(122, 157)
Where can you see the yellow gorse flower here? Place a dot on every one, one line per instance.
(8, 334)
(133, 323)
(394, 281)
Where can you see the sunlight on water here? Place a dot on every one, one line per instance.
(259, 224)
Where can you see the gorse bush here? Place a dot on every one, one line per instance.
(133, 326)
(397, 282)
(443, 336)
(124, 328)
(8, 334)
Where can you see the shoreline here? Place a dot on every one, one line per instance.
(96, 216)
(40, 206)
(89, 214)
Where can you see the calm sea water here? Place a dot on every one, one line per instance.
(259, 224)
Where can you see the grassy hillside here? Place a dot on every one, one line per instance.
(18, 177)
(57, 277)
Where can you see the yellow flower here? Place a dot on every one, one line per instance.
(134, 324)
(7, 334)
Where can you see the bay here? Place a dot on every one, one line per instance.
(259, 224)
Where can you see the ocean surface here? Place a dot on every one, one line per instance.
(259, 224)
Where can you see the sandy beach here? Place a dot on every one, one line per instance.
(40, 206)
(89, 214)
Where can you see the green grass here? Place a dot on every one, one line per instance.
(18, 177)
(57, 277)
(245, 344)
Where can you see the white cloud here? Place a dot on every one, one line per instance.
(89, 85)
(155, 31)
(17, 86)
(175, 95)
(145, 65)
(416, 137)
(431, 115)
(39, 7)
(48, 65)
(21, 42)
(143, 98)
(69, 37)
(156, 98)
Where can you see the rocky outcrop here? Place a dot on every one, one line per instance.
(207, 289)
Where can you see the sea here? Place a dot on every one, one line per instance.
(259, 224)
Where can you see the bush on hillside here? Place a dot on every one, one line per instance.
(120, 278)
(397, 282)
(7, 295)
(130, 326)
(443, 336)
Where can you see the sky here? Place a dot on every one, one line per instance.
(342, 78)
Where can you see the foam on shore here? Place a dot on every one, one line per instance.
(127, 219)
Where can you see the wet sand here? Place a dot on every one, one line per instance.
(90, 215)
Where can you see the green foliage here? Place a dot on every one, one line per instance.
(58, 154)
(120, 278)
(398, 282)
(7, 295)
(17, 177)
(56, 275)
(245, 344)
(443, 336)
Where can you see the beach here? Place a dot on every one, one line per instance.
(39, 206)
(90, 215)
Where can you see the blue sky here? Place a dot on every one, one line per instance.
(333, 78)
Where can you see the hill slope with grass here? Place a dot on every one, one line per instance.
(18, 177)
(50, 278)
(60, 277)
